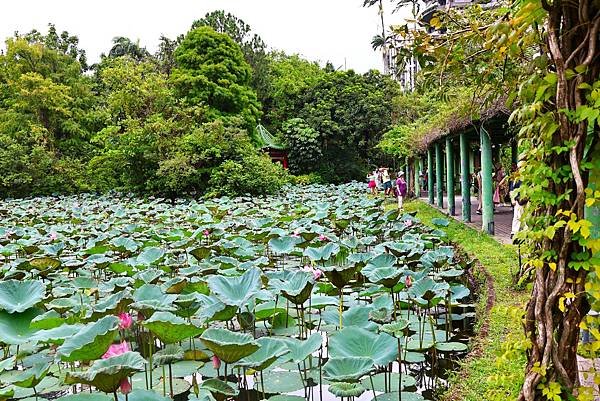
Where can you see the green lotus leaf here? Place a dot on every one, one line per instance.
(106, 374)
(340, 275)
(451, 347)
(18, 296)
(48, 320)
(387, 276)
(357, 342)
(286, 397)
(270, 350)
(45, 264)
(427, 291)
(227, 345)
(218, 387)
(322, 253)
(341, 389)
(236, 290)
(149, 298)
(91, 342)
(380, 381)
(283, 244)
(277, 382)
(297, 286)
(347, 369)
(170, 328)
(167, 355)
(301, 349)
(7, 394)
(15, 328)
(148, 276)
(150, 256)
(266, 310)
(57, 335)
(7, 363)
(440, 222)
(396, 329)
(31, 377)
(213, 309)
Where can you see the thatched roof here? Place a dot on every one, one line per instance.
(456, 123)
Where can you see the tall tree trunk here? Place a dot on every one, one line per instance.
(558, 300)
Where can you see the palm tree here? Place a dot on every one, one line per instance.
(123, 46)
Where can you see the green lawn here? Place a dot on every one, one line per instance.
(494, 370)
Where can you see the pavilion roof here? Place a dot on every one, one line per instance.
(267, 140)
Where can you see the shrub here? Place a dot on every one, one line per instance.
(306, 179)
(253, 175)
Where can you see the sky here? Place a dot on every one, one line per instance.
(339, 31)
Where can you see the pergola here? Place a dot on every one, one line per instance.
(461, 148)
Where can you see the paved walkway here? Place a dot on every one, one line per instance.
(502, 217)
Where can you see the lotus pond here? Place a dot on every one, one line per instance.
(315, 294)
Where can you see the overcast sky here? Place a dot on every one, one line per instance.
(325, 30)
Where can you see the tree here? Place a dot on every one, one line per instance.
(123, 46)
(252, 45)
(304, 146)
(45, 116)
(211, 70)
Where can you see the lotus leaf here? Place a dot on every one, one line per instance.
(218, 387)
(170, 328)
(270, 349)
(451, 347)
(150, 256)
(227, 345)
(279, 382)
(18, 296)
(167, 355)
(283, 244)
(91, 342)
(15, 328)
(322, 253)
(404, 396)
(342, 389)
(236, 290)
(358, 342)
(106, 374)
(347, 369)
(380, 381)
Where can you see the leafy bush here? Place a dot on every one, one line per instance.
(254, 175)
(304, 144)
(306, 179)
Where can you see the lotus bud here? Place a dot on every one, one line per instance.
(206, 233)
(216, 362)
(125, 321)
(53, 236)
(317, 274)
(408, 281)
(140, 317)
(323, 238)
(125, 386)
(408, 223)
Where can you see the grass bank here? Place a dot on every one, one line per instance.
(494, 369)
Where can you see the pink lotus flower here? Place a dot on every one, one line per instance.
(206, 233)
(323, 238)
(408, 281)
(116, 349)
(317, 274)
(53, 236)
(408, 223)
(125, 386)
(216, 362)
(125, 321)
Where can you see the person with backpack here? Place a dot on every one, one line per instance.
(401, 189)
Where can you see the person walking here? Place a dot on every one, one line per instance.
(401, 189)
(373, 182)
(518, 206)
(387, 181)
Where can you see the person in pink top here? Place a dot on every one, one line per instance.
(401, 189)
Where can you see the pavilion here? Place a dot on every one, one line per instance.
(272, 146)
(452, 154)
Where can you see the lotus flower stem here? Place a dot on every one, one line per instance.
(170, 380)
(262, 385)
(164, 381)
(341, 306)
(373, 387)
(115, 395)
(302, 378)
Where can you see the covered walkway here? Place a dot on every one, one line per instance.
(502, 217)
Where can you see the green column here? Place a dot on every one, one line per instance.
(439, 175)
(430, 174)
(450, 176)
(514, 151)
(465, 174)
(416, 170)
(487, 190)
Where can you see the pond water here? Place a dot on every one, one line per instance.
(318, 294)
